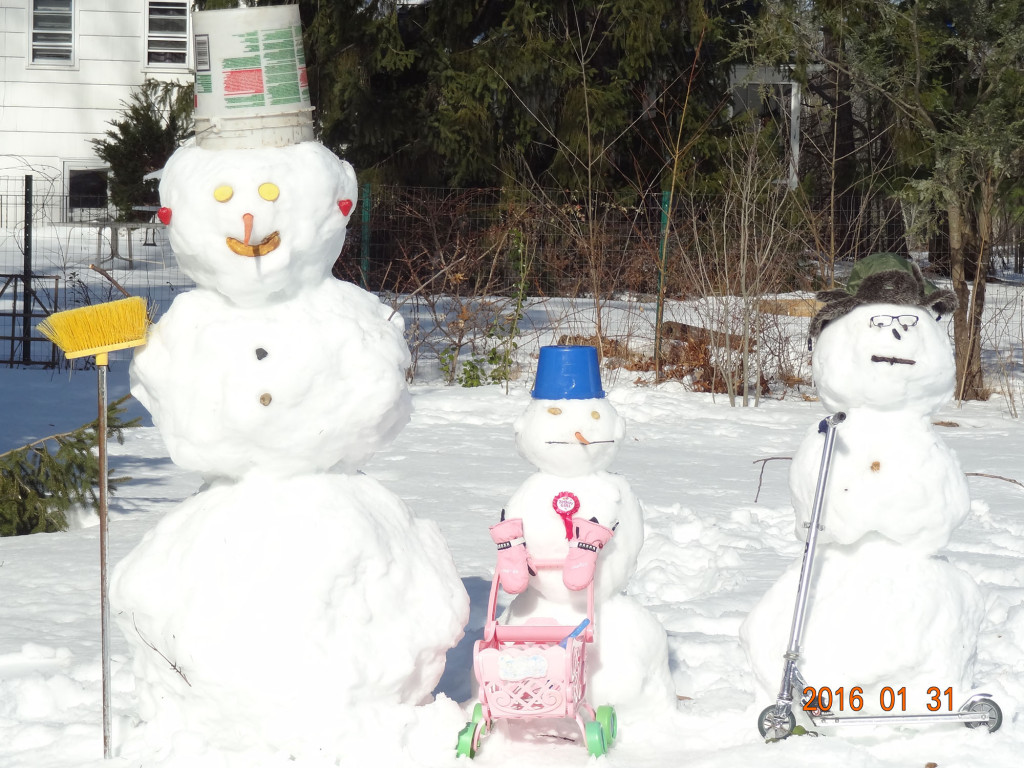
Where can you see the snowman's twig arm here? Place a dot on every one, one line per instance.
(764, 463)
(995, 477)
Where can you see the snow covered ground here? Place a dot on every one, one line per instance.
(711, 551)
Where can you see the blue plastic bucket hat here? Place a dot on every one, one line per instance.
(567, 373)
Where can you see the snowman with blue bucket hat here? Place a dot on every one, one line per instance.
(572, 508)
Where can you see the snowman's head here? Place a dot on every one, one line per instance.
(257, 225)
(570, 437)
(879, 343)
(885, 357)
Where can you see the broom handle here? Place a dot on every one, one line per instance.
(101, 368)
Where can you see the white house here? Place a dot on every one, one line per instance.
(66, 66)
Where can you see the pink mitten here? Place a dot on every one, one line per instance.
(589, 538)
(513, 574)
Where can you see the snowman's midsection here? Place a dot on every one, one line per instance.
(914, 466)
(547, 503)
(253, 389)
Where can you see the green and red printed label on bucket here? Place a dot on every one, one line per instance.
(252, 59)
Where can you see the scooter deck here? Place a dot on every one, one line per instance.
(955, 717)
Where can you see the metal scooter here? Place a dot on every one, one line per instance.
(777, 721)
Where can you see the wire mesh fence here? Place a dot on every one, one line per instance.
(467, 267)
(475, 241)
(50, 247)
(407, 240)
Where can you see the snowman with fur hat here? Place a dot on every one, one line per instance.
(884, 609)
(573, 508)
(883, 357)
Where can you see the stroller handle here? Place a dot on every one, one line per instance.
(535, 632)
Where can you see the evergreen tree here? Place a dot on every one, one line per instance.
(578, 94)
(154, 121)
(370, 85)
(949, 75)
(40, 482)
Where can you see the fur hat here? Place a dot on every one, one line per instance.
(882, 278)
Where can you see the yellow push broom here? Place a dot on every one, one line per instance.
(96, 331)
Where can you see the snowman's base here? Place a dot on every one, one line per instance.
(878, 618)
(288, 614)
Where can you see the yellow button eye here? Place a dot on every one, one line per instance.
(554, 411)
(269, 191)
(595, 415)
(223, 193)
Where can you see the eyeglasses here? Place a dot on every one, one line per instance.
(884, 321)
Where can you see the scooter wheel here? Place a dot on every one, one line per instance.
(990, 708)
(770, 729)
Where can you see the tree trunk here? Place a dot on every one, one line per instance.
(964, 248)
(845, 200)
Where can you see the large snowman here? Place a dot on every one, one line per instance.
(885, 610)
(293, 603)
(572, 508)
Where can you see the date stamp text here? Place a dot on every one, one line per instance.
(826, 699)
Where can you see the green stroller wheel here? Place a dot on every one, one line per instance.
(609, 722)
(465, 747)
(595, 738)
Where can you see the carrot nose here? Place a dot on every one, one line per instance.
(247, 218)
(582, 439)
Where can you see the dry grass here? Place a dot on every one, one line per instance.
(790, 307)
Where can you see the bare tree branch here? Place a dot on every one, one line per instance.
(764, 463)
(172, 664)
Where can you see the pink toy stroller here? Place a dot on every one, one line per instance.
(536, 670)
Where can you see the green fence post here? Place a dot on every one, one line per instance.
(364, 262)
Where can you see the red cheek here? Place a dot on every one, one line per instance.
(345, 206)
(164, 214)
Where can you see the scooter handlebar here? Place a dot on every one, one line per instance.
(834, 420)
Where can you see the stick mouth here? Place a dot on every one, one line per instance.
(892, 360)
(262, 248)
(577, 441)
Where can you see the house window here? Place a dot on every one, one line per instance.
(87, 194)
(167, 34)
(53, 32)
